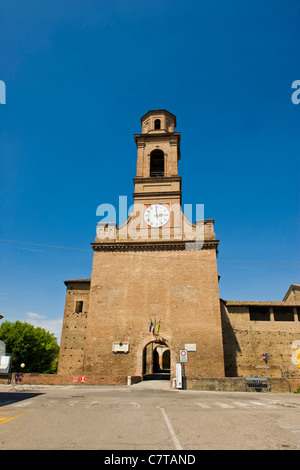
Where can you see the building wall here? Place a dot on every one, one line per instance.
(247, 337)
(74, 329)
(137, 291)
(293, 294)
(128, 289)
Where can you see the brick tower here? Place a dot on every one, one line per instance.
(154, 283)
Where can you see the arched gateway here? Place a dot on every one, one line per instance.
(156, 360)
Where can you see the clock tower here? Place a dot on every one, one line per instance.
(153, 291)
(157, 195)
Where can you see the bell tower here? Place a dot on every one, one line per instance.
(157, 194)
(158, 153)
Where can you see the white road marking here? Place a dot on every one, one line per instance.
(171, 430)
(286, 405)
(242, 404)
(290, 428)
(71, 403)
(202, 405)
(93, 403)
(223, 405)
(262, 404)
(49, 404)
(23, 404)
(136, 405)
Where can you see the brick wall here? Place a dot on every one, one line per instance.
(74, 328)
(246, 340)
(180, 288)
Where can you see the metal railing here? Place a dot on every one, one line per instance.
(156, 174)
(257, 384)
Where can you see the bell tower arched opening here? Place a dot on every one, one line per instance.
(157, 124)
(157, 163)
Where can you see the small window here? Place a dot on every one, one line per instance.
(283, 314)
(79, 306)
(157, 124)
(259, 313)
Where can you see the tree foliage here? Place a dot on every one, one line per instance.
(33, 346)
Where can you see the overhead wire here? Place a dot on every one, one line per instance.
(142, 254)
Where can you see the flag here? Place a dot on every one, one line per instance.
(150, 328)
(298, 357)
(158, 327)
(154, 326)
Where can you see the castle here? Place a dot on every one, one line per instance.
(154, 289)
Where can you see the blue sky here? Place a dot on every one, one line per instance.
(79, 76)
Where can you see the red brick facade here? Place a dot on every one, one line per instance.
(152, 277)
(150, 269)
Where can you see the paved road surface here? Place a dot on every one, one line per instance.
(148, 416)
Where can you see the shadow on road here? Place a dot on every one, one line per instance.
(11, 397)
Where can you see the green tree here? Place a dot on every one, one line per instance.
(33, 346)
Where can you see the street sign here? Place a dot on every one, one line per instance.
(182, 355)
(266, 357)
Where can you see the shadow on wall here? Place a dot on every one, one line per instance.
(231, 346)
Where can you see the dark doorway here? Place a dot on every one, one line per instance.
(156, 361)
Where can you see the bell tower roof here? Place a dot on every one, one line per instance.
(158, 121)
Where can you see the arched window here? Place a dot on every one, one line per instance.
(157, 163)
(157, 124)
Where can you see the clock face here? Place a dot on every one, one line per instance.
(156, 215)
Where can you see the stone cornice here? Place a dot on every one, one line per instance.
(260, 303)
(156, 194)
(154, 245)
(157, 179)
(141, 137)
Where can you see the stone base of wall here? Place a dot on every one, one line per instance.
(237, 384)
(226, 384)
(230, 384)
(62, 379)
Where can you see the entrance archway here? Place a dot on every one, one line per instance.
(156, 361)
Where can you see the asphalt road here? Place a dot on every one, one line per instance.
(148, 416)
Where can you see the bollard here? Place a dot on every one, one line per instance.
(129, 380)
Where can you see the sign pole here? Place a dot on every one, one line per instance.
(183, 359)
(179, 375)
(266, 358)
(183, 377)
